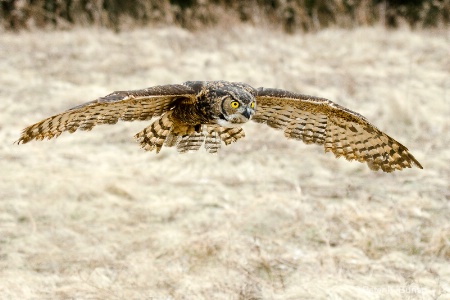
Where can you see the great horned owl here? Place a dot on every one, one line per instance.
(197, 113)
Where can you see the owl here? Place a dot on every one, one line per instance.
(208, 113)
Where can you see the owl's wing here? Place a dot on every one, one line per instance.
(122, 105)
(341, 131)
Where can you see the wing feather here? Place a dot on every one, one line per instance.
(133, 105)
(341, 131)
(210, 136)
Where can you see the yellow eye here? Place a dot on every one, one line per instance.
(234, 104)
(252, 105)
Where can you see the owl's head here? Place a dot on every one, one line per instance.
(237, 104)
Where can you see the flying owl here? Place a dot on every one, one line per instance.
(197, 113)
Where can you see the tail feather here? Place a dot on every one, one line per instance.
(153, 136)
(172, 140)
(191, 142)
(212, 141)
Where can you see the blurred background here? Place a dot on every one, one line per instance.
(291, 15)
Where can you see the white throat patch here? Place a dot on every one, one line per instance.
(228, 124)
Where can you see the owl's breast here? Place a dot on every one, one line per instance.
(193, 113)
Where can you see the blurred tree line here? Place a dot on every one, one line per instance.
(292, 15)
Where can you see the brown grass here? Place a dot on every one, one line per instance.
(91, 216)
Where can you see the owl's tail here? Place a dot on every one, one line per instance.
(164, 131)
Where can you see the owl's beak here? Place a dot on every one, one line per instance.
(247, 113)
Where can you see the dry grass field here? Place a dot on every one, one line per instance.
(92, 216)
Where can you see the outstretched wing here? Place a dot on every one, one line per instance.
(122, 105)
(342, 131)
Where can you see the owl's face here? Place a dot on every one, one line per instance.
(236, 107)
(236, 112)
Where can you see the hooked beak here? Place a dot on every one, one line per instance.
(247, 113)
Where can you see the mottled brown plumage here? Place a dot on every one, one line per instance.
(208, 113)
